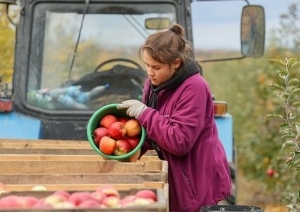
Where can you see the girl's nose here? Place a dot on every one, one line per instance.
(150, 72)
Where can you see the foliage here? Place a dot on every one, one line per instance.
(287, 96)
(248, 94)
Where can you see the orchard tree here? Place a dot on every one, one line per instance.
(262, 157)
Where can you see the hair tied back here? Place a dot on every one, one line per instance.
(177, 29)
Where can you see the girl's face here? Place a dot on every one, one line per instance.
(157, 72)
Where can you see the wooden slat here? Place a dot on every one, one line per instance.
(67, 167)
(48, 151)
(111, 178)
(84, 187)
(49, 157)
(53, 157)
(29, 142)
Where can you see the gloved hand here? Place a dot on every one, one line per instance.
(134, 107)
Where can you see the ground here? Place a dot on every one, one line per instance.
(250, 193)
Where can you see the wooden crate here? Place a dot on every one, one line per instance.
(73, 165)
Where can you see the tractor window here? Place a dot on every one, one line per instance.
(83, 58)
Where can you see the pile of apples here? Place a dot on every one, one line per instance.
(103, 197)
(117, 135)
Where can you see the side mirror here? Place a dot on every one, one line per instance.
(252, 31)
(157, 23)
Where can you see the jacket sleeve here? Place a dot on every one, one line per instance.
(184, 116)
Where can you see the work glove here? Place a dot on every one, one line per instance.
(134, 107)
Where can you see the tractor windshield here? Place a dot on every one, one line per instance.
(85, 56)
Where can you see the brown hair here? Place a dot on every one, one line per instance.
(167, 45)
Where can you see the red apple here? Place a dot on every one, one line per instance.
(133, 127)
(107, 145)
(10, 201)
(62, 193)
(27, 201)
(123, 119)
(107, 120)
(128, 201)
(117, 130)
(41, 204)
(108, 190)
(112, 202)
(123, 147)
(133, 141)
(89, 203)
(270, 172)
(99, 133)
(146, 193)
(78, 197)
(98, 195)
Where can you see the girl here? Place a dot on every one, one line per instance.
(177, 113)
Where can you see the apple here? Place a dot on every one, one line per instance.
(55, 201)
(135, 156)
(14, 201)
(99, 132)
(133, 127)
(123, 119)
(146, 193)
(128, 201)
(98, 195)
(123, 147)
(140, 201)
(78, 197)
(133, 141)
(107, 120)
(27, 201)
(107, 145)
(89, 203)
(270, 172)
(117, 130)
(10, 201)
(39, 188)
(108, 190)
(62, 193)
(112, 202)
(3, 188)
(41, 204)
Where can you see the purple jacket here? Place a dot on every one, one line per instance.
(184, 128)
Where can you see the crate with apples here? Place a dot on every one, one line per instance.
(114, 135)
(41, 167)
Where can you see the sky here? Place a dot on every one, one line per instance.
(273, 9)
(222, 29)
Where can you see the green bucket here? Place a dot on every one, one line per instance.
(93, 123)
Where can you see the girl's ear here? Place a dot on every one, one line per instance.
(177, 63)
